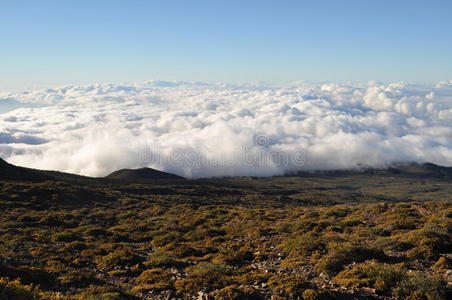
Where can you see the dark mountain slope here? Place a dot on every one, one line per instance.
(11, 172)
(427, 170)
(141, 174)
(422, 170)
(148, 175)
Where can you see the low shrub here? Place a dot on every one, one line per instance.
(392, 244)
(154, 279)
(381, 277)
(252, 277)
(430, 241)
(161, 259)
(120, 258)
(103, 293)
(15, 290)
(235, 258)
(234, 292)
(443, 264)
(292, 286)
(78, 279)
(342, 254)
(204, 276)
(167, 238)
(66, 236)
(422, 286)
(304, 244)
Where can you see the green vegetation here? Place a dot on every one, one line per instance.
(381, 277)
(319, 237)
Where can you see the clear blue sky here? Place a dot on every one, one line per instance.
(75, 42)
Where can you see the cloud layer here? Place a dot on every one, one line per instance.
(203, 130)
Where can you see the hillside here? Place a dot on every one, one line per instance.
(141, 174)
(11, 172)
(354, 235)
(421, 170)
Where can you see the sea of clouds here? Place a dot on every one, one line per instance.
(202, 130)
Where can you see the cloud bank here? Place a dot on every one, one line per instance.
(202, 130)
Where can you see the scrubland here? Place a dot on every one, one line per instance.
(319, 237)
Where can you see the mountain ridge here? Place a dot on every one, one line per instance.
(143, 175)
(12, 172)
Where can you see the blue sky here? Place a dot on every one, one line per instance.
(77, 42)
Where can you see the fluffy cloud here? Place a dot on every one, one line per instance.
(202, 130)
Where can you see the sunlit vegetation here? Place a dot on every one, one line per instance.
(243, 238)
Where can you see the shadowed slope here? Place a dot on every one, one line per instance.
(11, 172)
(141, 174)
(147, 175)
(423, 170)
(412, 169)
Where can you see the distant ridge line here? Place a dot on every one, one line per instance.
(141, 174)
(11, 172)
(148, 175)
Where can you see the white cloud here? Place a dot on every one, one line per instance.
(200, 130)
